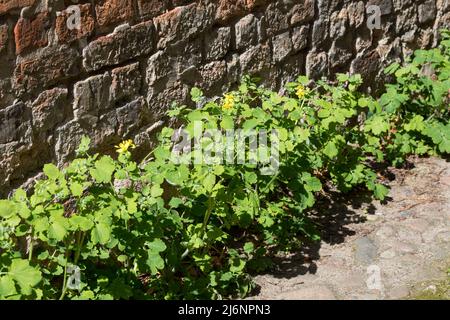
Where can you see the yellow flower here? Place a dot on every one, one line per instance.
(301, 91)
(125, 145)
(228, 102)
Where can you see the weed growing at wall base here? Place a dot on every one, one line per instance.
(104, 228)
(228, 147)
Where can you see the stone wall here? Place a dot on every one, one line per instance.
(114, 75)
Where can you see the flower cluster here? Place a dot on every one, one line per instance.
(124, 146)
(228, 102)
(301, 91)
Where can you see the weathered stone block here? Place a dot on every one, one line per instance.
(131, 116)
(32, 33)
(48, 110)
(68, 34)
(444, 21)
(8, 5)
(48, 67)
(338, 24)
(217, 43)
(339, 55)
(158, 97)
(177, 3)
(366, 63)
(255, 59)
(427, 11)
(113, 12)
(233, 69)
(282, 46)
(94, 96)
(159, 66)
(444, 5)
(406, 20)
(356, 12)
(401, 4)
(177, 62)
(91, 97)
(246, 32)
(231, 9)
(6, 97)
(104, 134)
(320, 33)
(186, 54)
(365, 251)
(149, 9)
(300, 37)
(293, 66)
(67, 138)
(316, 64)
(184, 22)
(275, 19)
(4, 37)
(212, 75)
(362, 43)
(302, 13)
(125, 82)
(386, 6)
(15, 123)
(123, 44)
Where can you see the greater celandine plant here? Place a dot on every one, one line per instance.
(104, 228)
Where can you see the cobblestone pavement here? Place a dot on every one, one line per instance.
(371, 250)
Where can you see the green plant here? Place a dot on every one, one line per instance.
(165, 229)
(78, 216)
(415, 108)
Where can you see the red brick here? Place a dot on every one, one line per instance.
(3, 37)
(32, 33)
(7, 5)
(113, 12)
(87, 25)
(149, 9)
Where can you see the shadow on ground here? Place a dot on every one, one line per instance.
(331, 215)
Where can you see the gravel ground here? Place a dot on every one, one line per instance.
(371, 250)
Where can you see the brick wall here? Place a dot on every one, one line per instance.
(115, 74)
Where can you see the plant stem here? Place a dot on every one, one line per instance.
(207, 215)
(63, 293)
(270, 182)
(64, 288)
(79, 246)
(30, 252)
(185, 253)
